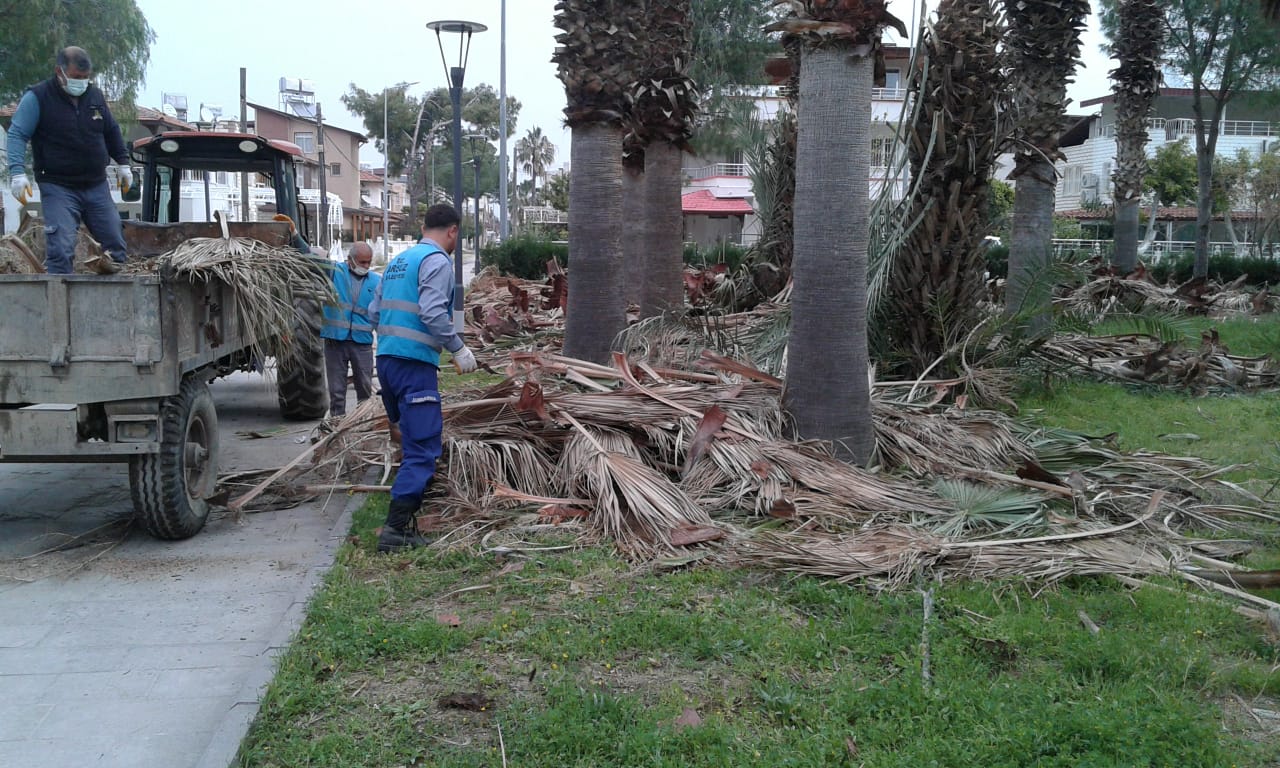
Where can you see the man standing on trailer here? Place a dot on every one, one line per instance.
(73, 136)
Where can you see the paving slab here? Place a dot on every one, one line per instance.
(129, 652)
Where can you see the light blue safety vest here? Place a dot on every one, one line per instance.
(401, 332)
(342, 321)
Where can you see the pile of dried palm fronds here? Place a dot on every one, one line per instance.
(272, 285)
(1105, 293)
(658, 459)
(1136, 357)
(509, 313)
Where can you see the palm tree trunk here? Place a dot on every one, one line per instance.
(633, 234)
(1125, 257)
(663, 284)
(828, 395)
(597, 310)
(1031, 244)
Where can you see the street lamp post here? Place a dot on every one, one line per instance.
(386, 168)
(464, 30)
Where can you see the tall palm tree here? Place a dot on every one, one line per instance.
(1138, 45)
(634, 224)
(535, 153)
(664, 107)
(1043, 48)
(595, 61)
(828, 394)
(936, 281)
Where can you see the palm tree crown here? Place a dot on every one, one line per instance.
(534, 154)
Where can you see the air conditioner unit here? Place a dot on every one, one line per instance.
(1088, 196)
(1089, 181)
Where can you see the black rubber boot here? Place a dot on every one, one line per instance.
(400, 530)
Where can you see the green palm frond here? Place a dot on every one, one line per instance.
(985, 507)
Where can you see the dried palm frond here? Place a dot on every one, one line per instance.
(1146, 359)
(272, 286)
(636, 507)
(892, 556)
(919, 439)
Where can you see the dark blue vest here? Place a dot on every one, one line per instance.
(69, 144)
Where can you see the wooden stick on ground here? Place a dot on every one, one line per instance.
(237, 504)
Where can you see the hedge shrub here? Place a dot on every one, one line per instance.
(524, 256)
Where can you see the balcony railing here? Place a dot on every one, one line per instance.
(888, 94)
(1161, 250)
(1186, 127)
(1154, 125)
(543, 214)
(718, 169)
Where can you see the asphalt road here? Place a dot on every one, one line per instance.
(126, 651)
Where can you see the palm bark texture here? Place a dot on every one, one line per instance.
(1139, 46)
(828, 392)
(1043, 48)
(937, 283)
(595, 61)
(664, 109)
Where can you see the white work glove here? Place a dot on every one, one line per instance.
(464, 360)
(20, 185)
(124, 174)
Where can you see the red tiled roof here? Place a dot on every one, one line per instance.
(704, 202)
(144, 115)
(367, 176)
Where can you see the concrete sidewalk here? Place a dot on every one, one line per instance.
(143, 652)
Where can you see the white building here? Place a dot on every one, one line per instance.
(718, 202)
(1084, 178)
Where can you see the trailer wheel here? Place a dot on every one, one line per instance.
(171, 488)
(301, 386)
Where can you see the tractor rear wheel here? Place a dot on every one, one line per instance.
(300, 385)
(171, 488)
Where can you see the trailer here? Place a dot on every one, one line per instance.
(115, 368)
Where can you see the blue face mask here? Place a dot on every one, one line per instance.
(73, 86)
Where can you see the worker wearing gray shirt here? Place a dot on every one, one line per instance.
(412, 312)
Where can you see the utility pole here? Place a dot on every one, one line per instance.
(322, 223)
(244, 128)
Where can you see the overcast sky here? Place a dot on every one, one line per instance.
(200, 47)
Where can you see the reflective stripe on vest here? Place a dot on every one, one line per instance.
(347, 320)
(401, 332)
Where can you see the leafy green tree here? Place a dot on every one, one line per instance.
(557, 191)
(1000, 196)
(1171, 174)
(730, 48)
(114, 32)
(418, 135)
(1224, 48)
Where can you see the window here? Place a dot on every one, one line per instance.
(892, 79)
(306, 141)
(1072, 179)
(335, 169)
(882, 152)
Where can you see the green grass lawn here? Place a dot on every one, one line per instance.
(580, 659)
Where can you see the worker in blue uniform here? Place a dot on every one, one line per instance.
(412, 310)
